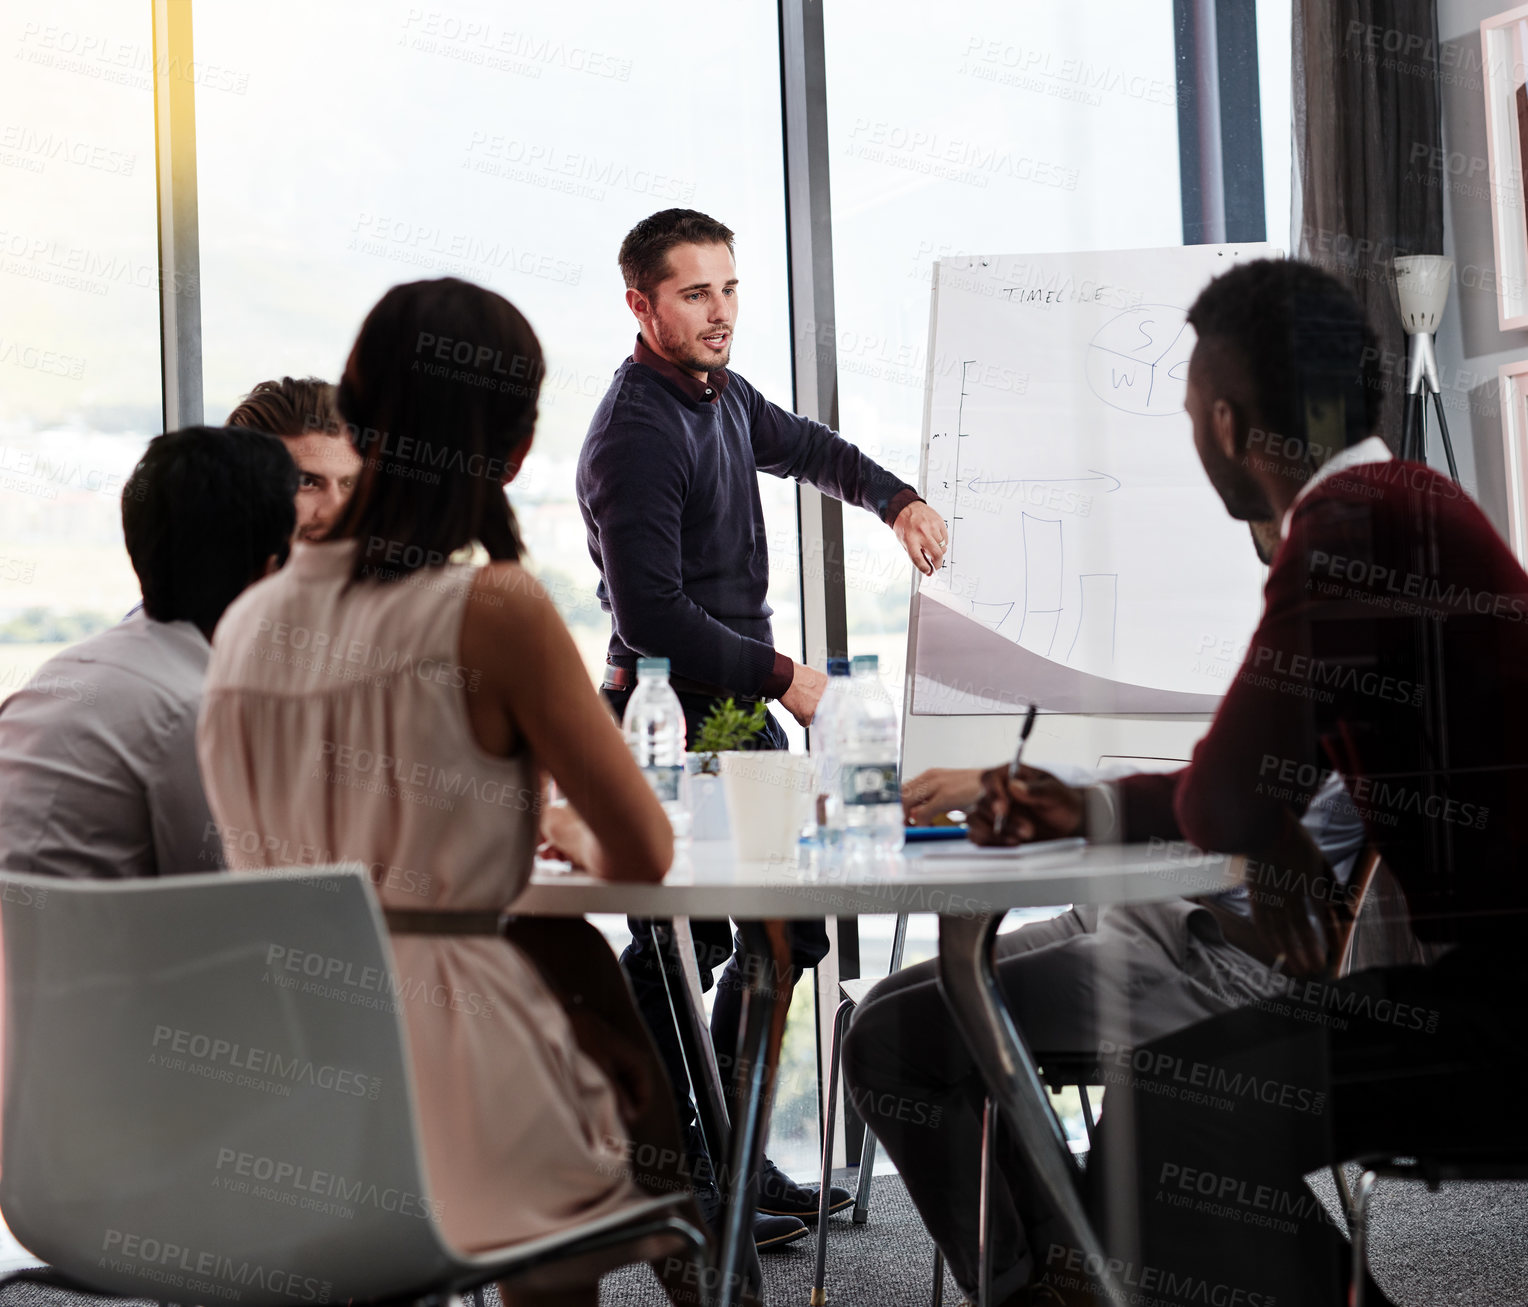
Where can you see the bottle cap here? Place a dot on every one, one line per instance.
(652, 667)
(867, 663)
(838, 667)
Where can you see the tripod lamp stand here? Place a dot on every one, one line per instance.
(1421, 291)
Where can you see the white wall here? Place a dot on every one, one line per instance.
(1470, 346)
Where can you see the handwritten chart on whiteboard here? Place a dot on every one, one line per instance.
(1091, 567)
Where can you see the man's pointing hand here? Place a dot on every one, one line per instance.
(923, 534)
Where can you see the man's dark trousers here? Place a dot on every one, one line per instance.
(1198, 1174)
(714, 945)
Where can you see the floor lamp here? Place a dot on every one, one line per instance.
(1421, 291)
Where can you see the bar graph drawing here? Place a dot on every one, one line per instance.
(1097, 618)
(1044, 572)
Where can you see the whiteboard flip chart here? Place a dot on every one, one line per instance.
(1091, 568)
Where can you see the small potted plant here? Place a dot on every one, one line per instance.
(725, 729)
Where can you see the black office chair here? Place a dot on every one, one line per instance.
(1364, 871)
(1466, 1162)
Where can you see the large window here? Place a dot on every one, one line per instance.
(997, 129)
(1275, 58)
(514, 147)
(79, 316)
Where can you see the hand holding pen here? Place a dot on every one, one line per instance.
(1020, 804)
(1018, 758)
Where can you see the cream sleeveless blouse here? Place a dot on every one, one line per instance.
(334, 728)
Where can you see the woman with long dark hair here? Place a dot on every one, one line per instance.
(382, 699)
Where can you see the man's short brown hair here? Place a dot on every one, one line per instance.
(289, 407)
(644, 252)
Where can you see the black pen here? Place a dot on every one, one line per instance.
(1018, 755)
(1024, 730)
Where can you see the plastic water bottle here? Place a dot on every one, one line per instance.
(654, 729)
(871, 786)
(827, 755)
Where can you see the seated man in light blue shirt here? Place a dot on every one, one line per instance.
(98, 771)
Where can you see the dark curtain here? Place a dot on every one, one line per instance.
(1367, 132)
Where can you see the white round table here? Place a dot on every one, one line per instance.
(969, 889)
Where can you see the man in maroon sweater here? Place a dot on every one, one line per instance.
(1393, 649)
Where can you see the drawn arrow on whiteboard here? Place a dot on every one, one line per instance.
(976, 484)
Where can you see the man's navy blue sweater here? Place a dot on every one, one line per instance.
(668, 486)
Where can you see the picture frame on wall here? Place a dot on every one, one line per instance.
(1504, 61)
(1514, 434)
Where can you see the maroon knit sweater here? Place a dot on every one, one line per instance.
(1393, 648)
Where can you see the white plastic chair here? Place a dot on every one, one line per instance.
(208, 1099)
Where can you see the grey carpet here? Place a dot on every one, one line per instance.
(887, 1262)
(1465, 1246)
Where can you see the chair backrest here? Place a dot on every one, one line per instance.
(207, 1096)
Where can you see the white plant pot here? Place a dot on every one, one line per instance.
(708, 801)
(769, 796)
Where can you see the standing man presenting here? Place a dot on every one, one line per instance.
(668, 486)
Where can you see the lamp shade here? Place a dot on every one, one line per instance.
(1421, 290)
